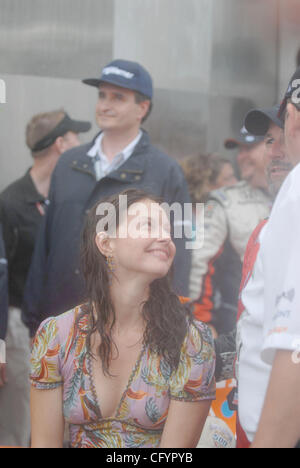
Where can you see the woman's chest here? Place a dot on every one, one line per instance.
(138, 393)
(110, 385)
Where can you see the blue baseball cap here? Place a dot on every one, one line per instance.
(126, 74)
(244, 138)
(258, 121)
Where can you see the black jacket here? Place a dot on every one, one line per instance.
(21, 213)
(54, 282)
(3, 290)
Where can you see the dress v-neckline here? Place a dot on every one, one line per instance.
(93, 387)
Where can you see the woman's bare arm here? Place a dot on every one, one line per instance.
(47, 421)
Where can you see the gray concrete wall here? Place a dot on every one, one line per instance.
(211, 61)
(55, 38)
(29, 95)
(46, 48)
(289, 31)
(173, 38)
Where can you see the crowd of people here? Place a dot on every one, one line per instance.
(118, 340)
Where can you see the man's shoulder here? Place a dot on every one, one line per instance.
(156, 153)
(69, 160)
(241, 193)
(14, 190)
(225, 195)
(75, 153)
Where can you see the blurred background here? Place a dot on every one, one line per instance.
(211, 61)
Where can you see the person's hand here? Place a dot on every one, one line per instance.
(3, 378)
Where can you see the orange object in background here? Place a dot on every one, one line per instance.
(220, 408)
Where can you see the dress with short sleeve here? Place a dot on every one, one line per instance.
(45, 357)
(60, 357)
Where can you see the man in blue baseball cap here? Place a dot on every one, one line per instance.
(120, 157)
(125, 74)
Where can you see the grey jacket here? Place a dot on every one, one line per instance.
(231, 215)
(54, 283)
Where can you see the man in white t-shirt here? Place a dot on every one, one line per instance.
(279, 424)
(252, 373)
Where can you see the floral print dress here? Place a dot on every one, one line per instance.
(60, 358)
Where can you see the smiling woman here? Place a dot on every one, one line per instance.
(130, 365)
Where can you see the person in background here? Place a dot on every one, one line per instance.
(231, 214)
(130, 367)
(22, 207)
(3, 311)
(279, 424)
(205, 173)
(120, 157)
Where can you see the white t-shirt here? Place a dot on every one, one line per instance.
(271, 319)
(280, 253)
(253, 374)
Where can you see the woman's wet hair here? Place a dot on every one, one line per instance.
(166, 319)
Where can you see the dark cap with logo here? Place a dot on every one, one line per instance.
(64, 126)
(293, 92)
(244, 138)
(258, 121)
(125, 74)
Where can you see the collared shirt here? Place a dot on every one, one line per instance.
(21, 211)
(102, 164)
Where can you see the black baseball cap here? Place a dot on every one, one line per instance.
(293, 92)
(126, 74)
(244, 138)
(258, 121)
(64, 126)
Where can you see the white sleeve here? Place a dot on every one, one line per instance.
(281, 263)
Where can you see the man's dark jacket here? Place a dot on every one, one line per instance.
(3, 290)
(54, 281)
(20, 216)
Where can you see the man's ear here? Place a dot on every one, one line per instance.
(60, 145)
(104, 244)
(144, 107)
